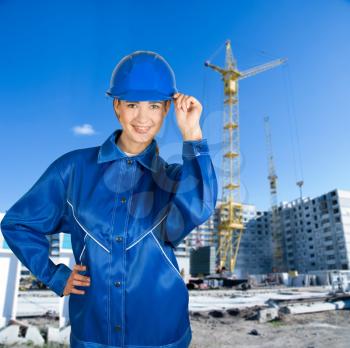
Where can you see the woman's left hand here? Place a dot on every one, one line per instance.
(188, 111)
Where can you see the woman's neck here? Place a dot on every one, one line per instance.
(133, 150)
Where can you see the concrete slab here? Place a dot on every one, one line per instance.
(9, 335)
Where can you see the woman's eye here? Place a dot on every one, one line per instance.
(155, 106)
(131, 105)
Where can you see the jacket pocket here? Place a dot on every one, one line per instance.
(168, 261)
(86, 231)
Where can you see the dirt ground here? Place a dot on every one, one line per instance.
(329, 329)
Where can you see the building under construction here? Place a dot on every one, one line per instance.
(315, 235)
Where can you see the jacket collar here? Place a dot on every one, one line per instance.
(109, 151)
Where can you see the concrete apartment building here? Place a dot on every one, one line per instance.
(255, 249)
(316, 232)
(316, 235)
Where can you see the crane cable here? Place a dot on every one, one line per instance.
(292, 119)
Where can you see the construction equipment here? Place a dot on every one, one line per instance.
(279, 264)
(231, 225)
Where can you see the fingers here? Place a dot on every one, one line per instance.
(79, 267)
(81, 283)
(78, 280)
(77, 291)
(178, 99)
(82, 278)
(183, 101)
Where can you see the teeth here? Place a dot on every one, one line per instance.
(142, 128)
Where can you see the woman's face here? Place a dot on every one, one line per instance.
(141, 121)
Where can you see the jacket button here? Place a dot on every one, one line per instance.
(118, 238)
(117, 284)
(123, 199)
(117, 327)
(129, 161)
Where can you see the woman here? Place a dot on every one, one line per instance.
(126, 209)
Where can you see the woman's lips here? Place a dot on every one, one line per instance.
(141, 130)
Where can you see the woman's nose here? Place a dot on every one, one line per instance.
(142, 115)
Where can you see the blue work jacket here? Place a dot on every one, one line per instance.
(125, 215)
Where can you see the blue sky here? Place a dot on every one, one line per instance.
(57, 58)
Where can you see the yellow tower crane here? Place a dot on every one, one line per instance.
(231, 225)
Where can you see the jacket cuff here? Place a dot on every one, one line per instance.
(60, 278)
(193, 148)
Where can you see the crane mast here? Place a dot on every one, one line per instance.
(231, 225)
(277, 236)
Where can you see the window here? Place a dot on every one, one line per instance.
(325, 221)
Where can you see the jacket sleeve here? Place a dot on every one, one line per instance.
(39, 212)
(195, 194)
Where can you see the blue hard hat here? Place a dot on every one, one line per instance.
(142, 76)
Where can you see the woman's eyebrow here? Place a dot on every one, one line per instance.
(150, 102)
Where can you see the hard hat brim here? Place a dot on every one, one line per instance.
(141, 95)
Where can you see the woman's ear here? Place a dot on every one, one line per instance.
(115, 106)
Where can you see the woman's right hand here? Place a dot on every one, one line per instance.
(76, 279)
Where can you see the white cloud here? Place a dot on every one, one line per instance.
(85, 129)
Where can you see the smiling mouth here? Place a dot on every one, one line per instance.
(140, 129)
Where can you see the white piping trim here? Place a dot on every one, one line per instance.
(134, 243)
(166, 256)
(82, 252)
(85, 228)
